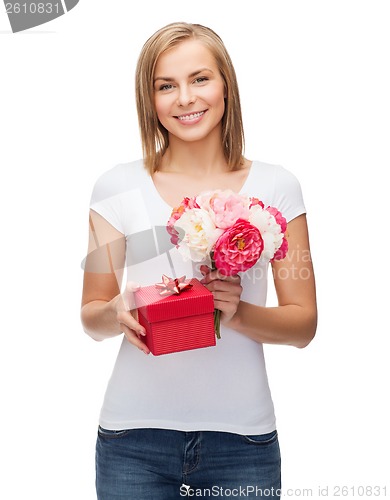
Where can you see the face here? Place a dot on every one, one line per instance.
(189, 92)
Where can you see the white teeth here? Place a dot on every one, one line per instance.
(191, 117)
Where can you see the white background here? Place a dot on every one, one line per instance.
(315, 85)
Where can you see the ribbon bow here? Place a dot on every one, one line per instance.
(171, 286)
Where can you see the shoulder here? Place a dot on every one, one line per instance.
(280, 188)
(119, 179)
(273, 173)
(117, 196)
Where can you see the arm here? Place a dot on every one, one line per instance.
(294, 320)
(104, 310)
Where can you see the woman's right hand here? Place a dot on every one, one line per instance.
(126, 315)
(105, 311)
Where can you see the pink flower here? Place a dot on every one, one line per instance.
(225, 207)
(238, 248)
(174, 235)
(278, 217)
(256, 201)
(177, 212)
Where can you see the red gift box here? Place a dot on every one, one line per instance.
(177, 322)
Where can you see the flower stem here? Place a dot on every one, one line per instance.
(217, 323)
(217, 312)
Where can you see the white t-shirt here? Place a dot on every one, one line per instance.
(221, 388)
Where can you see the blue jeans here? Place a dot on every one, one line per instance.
(159, 464)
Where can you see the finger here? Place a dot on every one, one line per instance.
(233, 287)
(204, 269)
(222, 300)
(128, 295)
(134, 339)
(233, 280)
(132, 286)
(209, 276)
(127, 319)
(217, 275)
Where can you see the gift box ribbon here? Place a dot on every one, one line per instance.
(172, 286)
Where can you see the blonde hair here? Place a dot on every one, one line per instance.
(154, 136)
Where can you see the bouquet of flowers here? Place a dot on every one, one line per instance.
(234, 231)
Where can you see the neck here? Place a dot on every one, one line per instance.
(194, 158)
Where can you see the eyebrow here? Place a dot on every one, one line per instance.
(169, 79)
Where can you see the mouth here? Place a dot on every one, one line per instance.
(190, 117)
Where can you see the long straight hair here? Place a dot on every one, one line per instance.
(154, 136)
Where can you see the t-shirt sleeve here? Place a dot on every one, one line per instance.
(106, 198)
(288, 194)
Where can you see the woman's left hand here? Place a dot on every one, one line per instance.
(225, 289)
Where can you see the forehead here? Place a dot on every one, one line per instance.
(184, 58)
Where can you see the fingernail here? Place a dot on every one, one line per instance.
(132, 286)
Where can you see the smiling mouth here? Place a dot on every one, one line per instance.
(190, 116)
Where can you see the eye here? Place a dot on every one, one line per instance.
(201, 79)
(165, 87)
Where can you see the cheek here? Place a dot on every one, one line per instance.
(217, 96)
(158, 106)
(162, 105)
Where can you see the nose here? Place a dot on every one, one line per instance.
(185, 96)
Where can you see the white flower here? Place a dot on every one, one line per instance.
(270, 230)
(197, 234)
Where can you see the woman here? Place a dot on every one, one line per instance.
(198, 422)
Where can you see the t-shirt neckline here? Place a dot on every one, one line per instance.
(153, 188)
